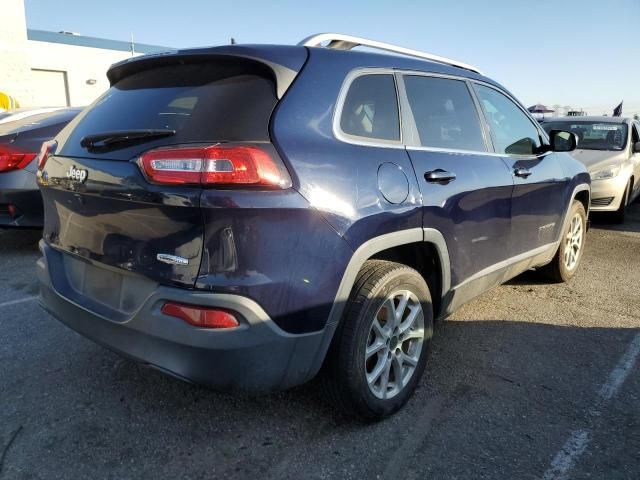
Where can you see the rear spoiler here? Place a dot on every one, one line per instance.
(282, 62)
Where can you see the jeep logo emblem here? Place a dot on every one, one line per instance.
(77, 174)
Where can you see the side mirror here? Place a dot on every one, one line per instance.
(636, 147)
(562, 141)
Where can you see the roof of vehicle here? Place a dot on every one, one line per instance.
(279, 54)
(590, 118)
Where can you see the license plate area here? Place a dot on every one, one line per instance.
(103, 290)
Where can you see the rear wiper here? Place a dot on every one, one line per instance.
(121, 138)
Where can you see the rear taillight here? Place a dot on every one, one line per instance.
(200, 316)
(241, 165)
(46, 150)
(13, 159)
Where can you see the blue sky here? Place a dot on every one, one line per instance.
(580, 53)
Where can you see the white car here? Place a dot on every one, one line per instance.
(610, 149)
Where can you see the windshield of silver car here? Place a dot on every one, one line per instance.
(594, 135)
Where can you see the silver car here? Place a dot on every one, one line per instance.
(610, 149)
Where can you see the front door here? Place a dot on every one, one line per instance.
(538, 205)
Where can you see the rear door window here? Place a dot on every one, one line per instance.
(205, 102)
(513, 132)
(370, 109)
(445, 114)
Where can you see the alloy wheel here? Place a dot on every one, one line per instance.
(394, 344)
(573, 242)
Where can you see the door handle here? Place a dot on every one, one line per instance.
(439, 176)
(521, 172)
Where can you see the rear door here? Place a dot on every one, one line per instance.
(466, 190)
(540, 184)
(98, 203)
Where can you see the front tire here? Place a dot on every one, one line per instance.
(567, 259)
(380, 349)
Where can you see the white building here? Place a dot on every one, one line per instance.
(50, 69)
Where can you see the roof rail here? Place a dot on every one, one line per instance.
(340, 41)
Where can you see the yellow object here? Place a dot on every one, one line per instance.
(7, 102)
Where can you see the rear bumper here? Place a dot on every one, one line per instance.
(19, 188)
(256, 356)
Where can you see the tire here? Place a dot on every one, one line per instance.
(561, 270)
(619, 215)
(399, 357)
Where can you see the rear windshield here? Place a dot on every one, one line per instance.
(202, 102)
(594, 135)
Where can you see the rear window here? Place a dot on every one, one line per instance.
(370, 109)
(202, 102)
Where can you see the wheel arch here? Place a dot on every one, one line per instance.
(421, 248)
(582, 193)
(584, 196)
(396, 245)
(427, 258)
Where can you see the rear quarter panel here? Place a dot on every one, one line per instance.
(272, 247)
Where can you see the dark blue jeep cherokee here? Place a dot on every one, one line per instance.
(243, 216)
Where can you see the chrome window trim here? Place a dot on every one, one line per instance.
(453, 151)
(342, 96)
(407, 132)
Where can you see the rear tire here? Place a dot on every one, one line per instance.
(379, 351)
(567, 259)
